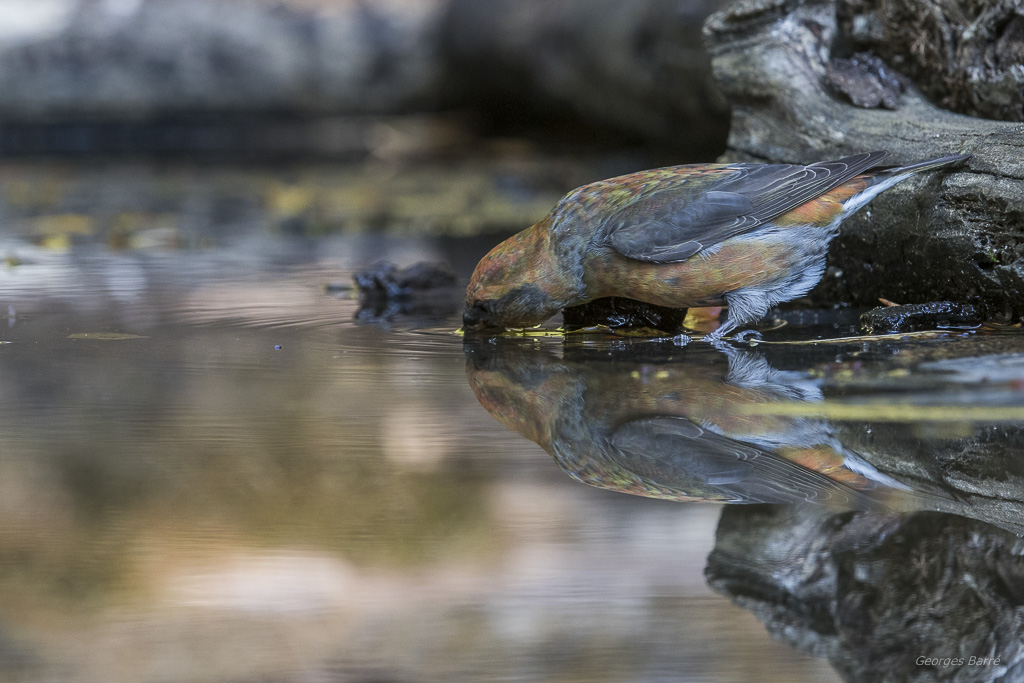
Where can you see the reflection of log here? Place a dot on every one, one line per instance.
(979, 465)
(956, 237)
(874, 594)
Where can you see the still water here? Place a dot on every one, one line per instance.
(216, 468)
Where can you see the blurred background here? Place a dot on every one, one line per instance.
(313, 116)
(210, 470)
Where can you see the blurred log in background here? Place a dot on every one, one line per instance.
(302, 76)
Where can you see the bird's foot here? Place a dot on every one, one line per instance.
(749, 336)
(717, 337)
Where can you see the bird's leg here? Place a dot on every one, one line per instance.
(745, 305)
(716, 337)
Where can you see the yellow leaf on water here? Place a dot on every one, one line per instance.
(105, 336)
(56, 243)
(64, 224)
(291, 200)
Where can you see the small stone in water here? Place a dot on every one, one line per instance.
(915, 317)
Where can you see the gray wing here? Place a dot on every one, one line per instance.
(679, 221)
(675, 453)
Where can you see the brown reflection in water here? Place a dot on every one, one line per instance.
(656, 425)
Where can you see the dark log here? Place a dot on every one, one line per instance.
(956, 236)
(639, 67)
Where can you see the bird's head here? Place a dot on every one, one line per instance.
(517, 284)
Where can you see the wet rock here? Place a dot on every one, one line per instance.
(914, 317)
(953, 236)
(425, 292)
(618, 313)
(874, 594)
(384, 279)
(866, 81)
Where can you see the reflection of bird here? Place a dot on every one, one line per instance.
(677, 431)
(677, 451)
(746, 235)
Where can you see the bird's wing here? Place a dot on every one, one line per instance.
(674, 453)
(678, 221)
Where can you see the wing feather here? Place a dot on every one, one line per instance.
(683, 219)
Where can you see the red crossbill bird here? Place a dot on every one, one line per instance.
(747, 236)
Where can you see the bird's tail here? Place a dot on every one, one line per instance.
(881, 179)
(891, 171)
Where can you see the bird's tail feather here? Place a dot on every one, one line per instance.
(881, 179)
(921, 166)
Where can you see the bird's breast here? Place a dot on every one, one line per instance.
(699, 280)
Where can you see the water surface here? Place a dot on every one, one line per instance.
(215, 469)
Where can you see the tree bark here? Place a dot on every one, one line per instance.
(966, 56)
